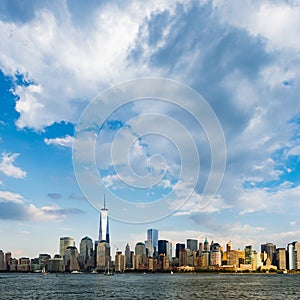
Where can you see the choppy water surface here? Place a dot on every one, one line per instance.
(149, 286)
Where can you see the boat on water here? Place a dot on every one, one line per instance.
(172, 272)
(44, 272)
(76, 272)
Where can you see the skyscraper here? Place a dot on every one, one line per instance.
(270, 249)
(102, 246)
(104, 224)
(248, 255)
(179, 247)
(86, 253)
(64, 243)
(291, 256)
(2, 261)
(7, 259)
(206, 245)
(128, 257)
(281, 258)
(297, 250)
(140, 249)
(162, 247)
(169, 250)
(152, 239)
(192, 244)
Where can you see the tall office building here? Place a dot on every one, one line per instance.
(149, 248)
(120, 262)
(165, 248)
(206, 245)
(215, 254)
(294, 256)
(128, 257)
(64, 243)
(7, 259)
(179, 247)
(297, 250)
(152, 241)
(281, 258)
(291, 256)
(102, 246)
(104, 224)
(86, 253)
(140, 249)
(162, 247)
(56, 264)
(248, 255)
(2, 261)
(270, 249)
(71, 259)
(86, 247)
(192, 244)
(169, 250)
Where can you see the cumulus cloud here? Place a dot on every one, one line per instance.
(279, 201)
(8, 168)
(66, 141)
(277, 22)
(14, 207)
(295, 151)
(243, 57)
(49, 213)
(6, 196)
(83, 59)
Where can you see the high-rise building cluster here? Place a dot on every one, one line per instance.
(189, 256)
(154, 254)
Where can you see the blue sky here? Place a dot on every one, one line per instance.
(242, 57)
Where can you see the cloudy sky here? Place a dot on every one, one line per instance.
(243, 57)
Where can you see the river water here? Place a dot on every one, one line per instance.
(149, 286)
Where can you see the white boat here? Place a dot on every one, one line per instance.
(76, 272)
(172, 273)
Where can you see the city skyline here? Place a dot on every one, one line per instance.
(153, 255)
(242, 61)
(190, 256)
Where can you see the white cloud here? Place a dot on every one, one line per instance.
(45, 213)
(278, 23)
(66, 141)
(280, 201)
(14, 206)
(8, 168)
(11, 197)
(195, 204)
(295, 151)
(83, 59)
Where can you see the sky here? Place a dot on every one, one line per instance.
(221, 87)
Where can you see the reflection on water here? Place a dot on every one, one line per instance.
(149, 286)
